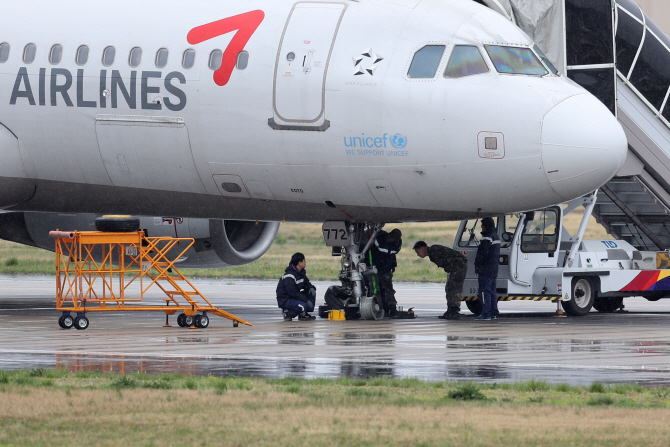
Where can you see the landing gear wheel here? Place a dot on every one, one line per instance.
(203, 321)
(371, 308)
(66, 321)
(583, 296)
(80, 323)
(323, 311)
(181, 320)
(117, 224)
(474, 306)
(607, 305)
(189, 320)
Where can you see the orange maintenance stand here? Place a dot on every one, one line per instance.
(111, 272)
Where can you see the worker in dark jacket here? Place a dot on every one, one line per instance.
(295, 294)
(455, 263)
(383, 251)
(486, 266)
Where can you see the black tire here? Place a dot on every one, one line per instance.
(203, 321)
(655, 296)
(336, 298)
(67, 322)
(323, 311)
(583, 296)
(180, 320)
(81, 323)
(474, 306)
(189, 320)
(607, 305)
(60, 321)
(117, 224)
(196, 320)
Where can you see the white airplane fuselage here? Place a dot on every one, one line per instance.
(337, 131)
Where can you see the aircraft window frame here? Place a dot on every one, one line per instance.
(29, 53)
(5, 49)
(159, 61)
(242, 60)
(111, 52)
(78, 55)
(500, 67)
(55, 57)
(185, 62)
(429, 61)
(135, 57)
(214, 57)
(451, 58)
(545, 60)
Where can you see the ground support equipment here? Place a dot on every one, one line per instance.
(112, 272)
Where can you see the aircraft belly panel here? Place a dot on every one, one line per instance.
(302, 62)
(148, 152)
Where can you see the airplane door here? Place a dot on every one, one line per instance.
(302, 66)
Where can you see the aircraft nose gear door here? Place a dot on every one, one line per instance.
(302, 66)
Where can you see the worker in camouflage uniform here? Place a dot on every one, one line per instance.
(453, 262)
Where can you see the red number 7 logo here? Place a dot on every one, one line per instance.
(245, 25)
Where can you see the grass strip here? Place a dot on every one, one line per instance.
(53, 407)
(293, 237)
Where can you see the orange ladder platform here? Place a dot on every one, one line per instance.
(110, 272)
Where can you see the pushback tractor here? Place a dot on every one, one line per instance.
(115, 269)
(541, 261)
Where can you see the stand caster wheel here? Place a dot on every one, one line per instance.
(80, 323)
(66, 321)
(201, 321)
(188, 320)
(180, 320)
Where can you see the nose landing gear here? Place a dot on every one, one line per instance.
(356, 296)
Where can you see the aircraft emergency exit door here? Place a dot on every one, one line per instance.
(302, 66)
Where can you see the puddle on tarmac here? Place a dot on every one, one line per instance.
(333, 368)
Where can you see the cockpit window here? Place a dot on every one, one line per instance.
(546, 60)
(515, 60)
(465, 60)
(425, 62)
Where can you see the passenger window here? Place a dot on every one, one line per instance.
(515, 60)
(108, 56)
(540, 231)
(4, 52)
(135, 57)
(82, 55)
(162, 57)
(425, 62)
(215, 59)
(242, 60)
(56, 54)
(29, 53)
(465, 60)
(188, 60)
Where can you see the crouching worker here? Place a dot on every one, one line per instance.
(453, 262)
(295, 294)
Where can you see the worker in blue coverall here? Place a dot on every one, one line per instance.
(486, 266)
(295, 294)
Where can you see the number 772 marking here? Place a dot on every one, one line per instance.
(245, 25)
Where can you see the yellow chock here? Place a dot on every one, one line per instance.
(336, 315)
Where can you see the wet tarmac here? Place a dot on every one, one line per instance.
(526, 342)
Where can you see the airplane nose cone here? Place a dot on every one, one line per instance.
(583, 146)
